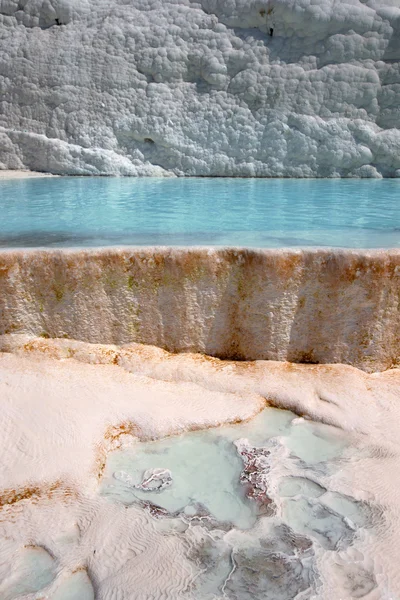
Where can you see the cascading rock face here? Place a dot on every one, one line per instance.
(306, 306)
(216, 87)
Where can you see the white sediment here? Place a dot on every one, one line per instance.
(66, 405)
(217, 87)
(18, 174)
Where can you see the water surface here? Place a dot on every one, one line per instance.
(255, 503)
(205, 466)
(266, 213)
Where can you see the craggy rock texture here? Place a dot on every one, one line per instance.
(297, 88)
(302, 306)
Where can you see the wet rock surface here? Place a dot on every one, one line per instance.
(296, 518)
(280, 305)
(263, 575)
(254, 474)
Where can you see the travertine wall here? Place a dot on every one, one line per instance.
(302, 306)
(156, 87)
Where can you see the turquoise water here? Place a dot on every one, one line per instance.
(266, 213)
(205, 466)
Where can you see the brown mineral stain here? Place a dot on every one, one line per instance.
(43, 346)
(243, 365)
(11, 328)
(4, 270)
(227, 292)
(114, 432)
(112, 441)
(79, 569)
(306, 357)
(35, 493)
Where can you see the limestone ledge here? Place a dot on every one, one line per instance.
(310, 306)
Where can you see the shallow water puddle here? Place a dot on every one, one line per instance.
(232, 473)
(205, 469)
(33, 569)
(251, 507)
(252, 500)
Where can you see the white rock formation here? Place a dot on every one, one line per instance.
(297, 88)
(298, 305)
(62, 417)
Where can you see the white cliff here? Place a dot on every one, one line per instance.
(297, 88)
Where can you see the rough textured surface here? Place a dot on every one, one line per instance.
(302, 306)
(64, 416)
(152, 87)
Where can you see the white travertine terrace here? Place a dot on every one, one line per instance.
(154, 87)
(67, 405)
(311, 306)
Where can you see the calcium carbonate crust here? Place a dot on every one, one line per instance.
(268, 88)
(308, 306)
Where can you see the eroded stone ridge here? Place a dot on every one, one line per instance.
(306, 306)
(294, 88)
